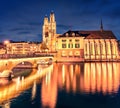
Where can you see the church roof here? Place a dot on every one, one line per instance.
(105, 34)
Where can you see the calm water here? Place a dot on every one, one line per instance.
(65, 85)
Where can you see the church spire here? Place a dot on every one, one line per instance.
(52, 17)
(101, 26)
(45, 20)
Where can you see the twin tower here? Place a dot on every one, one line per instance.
(49, 32)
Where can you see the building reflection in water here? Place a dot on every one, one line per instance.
(72, 78)
(89, 77)
(19, 85)
(80, 78)
(34, 88)
(49, 89)
(5, 105)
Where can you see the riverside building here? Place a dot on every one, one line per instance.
(96, 45)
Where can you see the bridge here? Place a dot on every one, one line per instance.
(9, 64)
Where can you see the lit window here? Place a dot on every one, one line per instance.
(77, 53)
(73, 34)
(77, 45)
(63, 40)
(77, 40)
(96, 48)
(107, 48)
(101, 48)
(86, 47)
(66, 34)
(91, 48)
(70, 45)
(64, 53)
(112, 48)
(63, 45)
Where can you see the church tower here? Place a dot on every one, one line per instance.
(49, 31)
(45, 29)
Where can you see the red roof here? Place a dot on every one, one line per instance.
(105, 34)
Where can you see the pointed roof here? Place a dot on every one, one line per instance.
(106, 34)
(101, 26)
(46, 16)
(71, 33)
(52, 12)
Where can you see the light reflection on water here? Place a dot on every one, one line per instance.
(90, 77)
(71, 78)
(20, 85)
(101, 77)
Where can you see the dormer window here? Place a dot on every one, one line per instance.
(66, 34)
(73, 34)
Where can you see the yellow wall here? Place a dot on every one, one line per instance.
(81, 42)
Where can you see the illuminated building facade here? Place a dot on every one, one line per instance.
(22, 48)
(70, 46)
(98, 45)
(49, 32)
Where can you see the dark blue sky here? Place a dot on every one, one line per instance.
(23, 19)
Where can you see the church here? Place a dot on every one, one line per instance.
(96, 45)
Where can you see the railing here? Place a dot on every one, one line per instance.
(7, 56)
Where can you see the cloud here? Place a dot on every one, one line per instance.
(3, 35)
(31, 23)
(23, 18)
(20, 29)
(34, 24)
(64, 27)
(23, 32)
(33, 37)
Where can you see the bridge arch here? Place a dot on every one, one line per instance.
(9, 64)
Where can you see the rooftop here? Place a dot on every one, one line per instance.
(97, 34)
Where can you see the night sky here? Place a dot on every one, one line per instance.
(21, 20)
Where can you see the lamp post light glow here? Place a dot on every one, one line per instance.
(6, 42)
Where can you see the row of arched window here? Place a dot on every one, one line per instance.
(95, 48)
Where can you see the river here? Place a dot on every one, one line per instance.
(65, 85)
